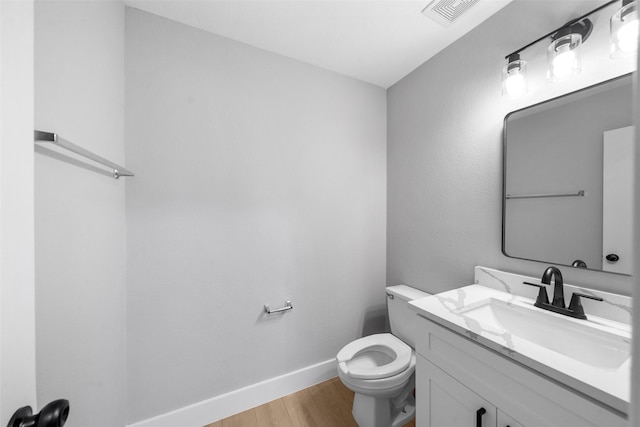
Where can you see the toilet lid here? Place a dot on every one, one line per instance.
(358, 359)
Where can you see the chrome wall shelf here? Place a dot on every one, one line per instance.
(52, 138)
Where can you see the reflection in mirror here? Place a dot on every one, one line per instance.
(568, 179)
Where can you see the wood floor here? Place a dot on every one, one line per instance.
(327, 404)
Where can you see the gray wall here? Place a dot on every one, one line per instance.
(79, 212)
(259, 179)
(445, 154)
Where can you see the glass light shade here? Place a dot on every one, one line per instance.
(514, 79)
(563, 56)
(624, 31)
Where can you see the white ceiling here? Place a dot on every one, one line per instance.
(376, 41)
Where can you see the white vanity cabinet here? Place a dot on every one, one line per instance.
(457, 377)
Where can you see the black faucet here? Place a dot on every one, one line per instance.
(558, 287)
(557, 304)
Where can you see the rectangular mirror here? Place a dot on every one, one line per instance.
(568, 186)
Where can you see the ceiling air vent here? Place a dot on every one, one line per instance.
(444, 12)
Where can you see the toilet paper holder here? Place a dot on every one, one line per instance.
(287, 306)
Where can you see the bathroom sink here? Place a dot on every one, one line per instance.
(592, 355)
(586, 342)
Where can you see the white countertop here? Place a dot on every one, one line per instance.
(605, 379)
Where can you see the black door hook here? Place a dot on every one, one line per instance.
(54, 414)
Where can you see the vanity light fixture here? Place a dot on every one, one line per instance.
(563, 54)
(624, 30)
(514, 77)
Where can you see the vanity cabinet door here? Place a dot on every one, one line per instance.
(445, 402)
(505, 420)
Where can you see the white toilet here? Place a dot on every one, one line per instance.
(380, 368)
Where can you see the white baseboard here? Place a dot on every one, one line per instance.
(225, 405)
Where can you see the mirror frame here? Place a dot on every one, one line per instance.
(504, 167)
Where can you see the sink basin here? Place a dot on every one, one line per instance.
(592, 356)
(590, 343)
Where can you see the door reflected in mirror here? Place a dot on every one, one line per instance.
(568, 179)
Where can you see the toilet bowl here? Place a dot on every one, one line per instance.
(380, 368)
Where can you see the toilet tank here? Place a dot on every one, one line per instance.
(401, 317)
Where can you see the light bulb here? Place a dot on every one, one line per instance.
(515, 85)
(564, 56)
(628, 36)
(624, 29)
(514, 77)
(563, 63)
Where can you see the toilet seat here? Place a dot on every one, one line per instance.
(395, 349)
